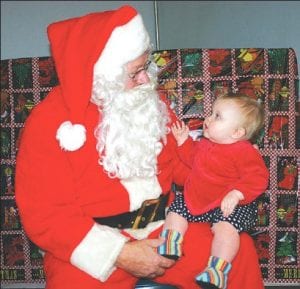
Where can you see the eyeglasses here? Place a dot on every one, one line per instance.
(133, 75)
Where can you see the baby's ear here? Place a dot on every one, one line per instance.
(239, 133)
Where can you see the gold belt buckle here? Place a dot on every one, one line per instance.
(140, 217)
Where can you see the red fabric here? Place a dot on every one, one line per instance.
(76, 44)
(68, 188)
(245, 271)
(216, 169)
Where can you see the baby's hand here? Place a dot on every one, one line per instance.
(230, 201)
(180, 132)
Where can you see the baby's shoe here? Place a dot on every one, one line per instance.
(215, 275)
(171, 248)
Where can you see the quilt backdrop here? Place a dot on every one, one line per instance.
(191, 79)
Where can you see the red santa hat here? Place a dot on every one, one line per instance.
(95, 43)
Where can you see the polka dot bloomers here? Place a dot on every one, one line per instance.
(243, 218)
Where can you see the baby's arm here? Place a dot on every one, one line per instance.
(180, 132)
(230, 201)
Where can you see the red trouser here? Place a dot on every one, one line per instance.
(245, 271)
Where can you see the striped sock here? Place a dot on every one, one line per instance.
(171, 248)
(215, 274)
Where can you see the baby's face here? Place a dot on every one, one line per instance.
(221, 126)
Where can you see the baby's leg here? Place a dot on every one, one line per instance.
(226, 241)
(225, 244)
(173, 231)
(176, 222)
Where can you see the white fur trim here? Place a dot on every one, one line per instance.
(140, 234)
(141, 189)
(125, 44)
(71, 137)
(98, 251)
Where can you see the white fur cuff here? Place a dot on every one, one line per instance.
(98, 251)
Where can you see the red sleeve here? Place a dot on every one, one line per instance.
(45, 192)
(253, 172)
(180, 170)
(186, 151)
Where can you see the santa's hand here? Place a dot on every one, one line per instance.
(140, 259)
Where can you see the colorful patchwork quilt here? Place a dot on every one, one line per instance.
(190, 79)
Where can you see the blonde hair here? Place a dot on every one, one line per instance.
(252, 113)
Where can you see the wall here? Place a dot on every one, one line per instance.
(229, 24)
(205, 24)
(24, 23)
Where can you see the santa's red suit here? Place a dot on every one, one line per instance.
(60, 185)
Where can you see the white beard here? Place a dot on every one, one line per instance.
(132, 128)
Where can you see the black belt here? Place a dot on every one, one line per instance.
(150, 211)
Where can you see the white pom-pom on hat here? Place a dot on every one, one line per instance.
(71, 137)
